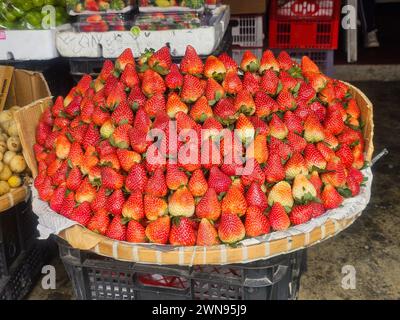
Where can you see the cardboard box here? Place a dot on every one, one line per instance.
(247, 7)
(21, 87)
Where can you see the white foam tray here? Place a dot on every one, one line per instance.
(111, 44)
(29, 44)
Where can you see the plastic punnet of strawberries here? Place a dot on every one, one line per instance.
(298, 129)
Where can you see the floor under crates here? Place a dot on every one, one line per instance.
(371, 244)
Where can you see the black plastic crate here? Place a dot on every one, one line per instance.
(17, 230)
(24, 272)
(96, 278)
(92, 66)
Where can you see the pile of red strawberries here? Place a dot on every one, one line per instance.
(305, 129)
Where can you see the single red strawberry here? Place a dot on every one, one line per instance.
(244, 103)
(277, 128)
(207, 235)
(249, 62)
(156, 184)
(83, 84)
(128, 158)
(42, 132)
(115, 202)
(256, 223)
(293, 122)
(182, 232)
(319, 110)
(353, 185)
(269, 82)
(133, 208)
(111, 179)
(264, 104)
(355, 174)
(302, 189)
(100, 200)
(116, 229)
(218, 180)
(99, 116)
(306, 92)
(225, 111)
(192, 89)
(191, 62)
(214, 91)
(68, 205)
(214, 68)
(57, 198)
(82, 213)
(346, 155)
(286, 100)
(120, 136)
(334, 123)
(161, 61)
(259, 125)
(234, 201)
(251, 82)
(330, 197)
(295, 166)
(130, 77)
(300, 214)
(232, 83)
(278, 218)
(255, 196)
(124, 59)
(209, 206)
(314, 158)
(274, 170)
(74, 179)
(92, 136)
(174, 79)
(158, 231)
(229, 63)
(313, 130)
(268, 62)
(154, 105)
(198, 183)
(116, 95)
(181, 203)
(154, 207)
(136, 98)
(138, 140)
(122, 114)
(135, 232)
(106, 70)
(152, 83)
(175, 104)
(284, 60)
(201, 110)
(231, 228)
(99, 222)
(296, 142)
(307, 65)
(175, 178)
(282, 193)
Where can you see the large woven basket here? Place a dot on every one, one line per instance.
(84, 239)
(14, 197)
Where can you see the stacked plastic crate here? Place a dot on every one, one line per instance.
(306, 27)
(248, 25)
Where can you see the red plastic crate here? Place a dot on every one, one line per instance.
(305, 24)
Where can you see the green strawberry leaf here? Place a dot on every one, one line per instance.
(345, 192)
